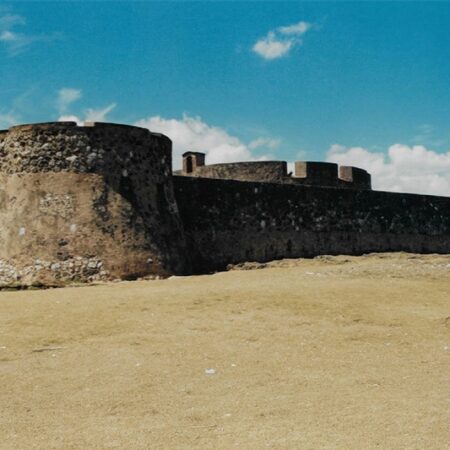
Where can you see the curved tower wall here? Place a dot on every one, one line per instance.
(87, 203)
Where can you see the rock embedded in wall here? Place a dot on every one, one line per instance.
(229, 221)
(104, 190)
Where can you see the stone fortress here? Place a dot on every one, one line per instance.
(100, 202)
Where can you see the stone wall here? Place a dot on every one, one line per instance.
(275, 171)
(99, 202)
(308, 173)
(231, 221)
(83, 203)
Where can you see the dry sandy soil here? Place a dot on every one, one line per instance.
(331, 353)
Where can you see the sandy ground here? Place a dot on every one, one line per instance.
(331, 353)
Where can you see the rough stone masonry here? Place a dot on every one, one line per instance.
(100, 202)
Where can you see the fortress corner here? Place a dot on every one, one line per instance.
(83, 203)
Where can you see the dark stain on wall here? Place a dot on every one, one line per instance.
(231, 221)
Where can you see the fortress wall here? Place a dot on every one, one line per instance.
(83, 203)
(231, 221)
(245, 171)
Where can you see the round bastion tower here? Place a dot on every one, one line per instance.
(83, 203)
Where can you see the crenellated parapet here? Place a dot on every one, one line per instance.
(194, 166)
(316, 173)
(327, 174)
(309, 173)
(94, 148)
(354, 177)
(100, 202)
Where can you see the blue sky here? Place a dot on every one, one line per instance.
(362, 83)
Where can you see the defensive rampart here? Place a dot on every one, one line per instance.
(308, 173)
(232, 221)
(86, 203)
(98, 202)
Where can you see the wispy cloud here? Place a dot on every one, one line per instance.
(297, 28)
(15, 41)
(8, 21)
(403, 169)
(66, 96)
(280, 41)
(99, 115)
(427, 135)
(264, 142)
(22, 104)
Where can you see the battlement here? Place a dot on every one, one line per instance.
(90, 201)
(355, 177)
(42, 126)
(66, 147)
(309, 173)
(68, 124)
(194, 165)
(100, 201)
(316, 173)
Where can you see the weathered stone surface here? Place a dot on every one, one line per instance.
(99, 193)
(308, 173)
(274, 171)
(99, 202)
(231, 221)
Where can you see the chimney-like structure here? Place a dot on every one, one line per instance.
(192, 160)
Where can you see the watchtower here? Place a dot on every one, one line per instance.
(192, 160)
(88, 202)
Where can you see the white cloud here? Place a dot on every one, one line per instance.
(271, 47)
(404, 169)
(191, 133)
(296, 28)
(278, 43)
(66, 96)
(99, 115)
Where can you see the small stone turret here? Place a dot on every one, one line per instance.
(192, 160)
